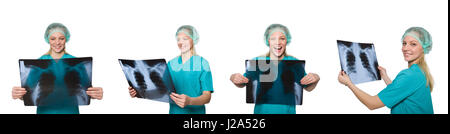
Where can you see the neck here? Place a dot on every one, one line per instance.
(57, 55)
(416, 61)
(410, 64)
(186, 55)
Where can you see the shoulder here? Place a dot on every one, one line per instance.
(412, 74)
(204, 62)
(201, 59)
(46, 56)
(175, 59)
(414, 71)
(289, 57)
(261, 58)
(68, 56)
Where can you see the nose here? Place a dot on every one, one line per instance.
(180, 44)
(277, 42)
(59, 42)
(405, 47)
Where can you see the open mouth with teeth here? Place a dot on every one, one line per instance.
(278, 49)
(58, 48)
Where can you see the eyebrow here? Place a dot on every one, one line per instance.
(278, 37)
(414, 41)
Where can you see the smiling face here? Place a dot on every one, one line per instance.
(184, 42)
(57, 42)
(277, 44)
(412, 49)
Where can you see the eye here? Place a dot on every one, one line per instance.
(404, 43)
(413, 44)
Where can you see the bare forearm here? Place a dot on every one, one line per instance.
(371, 102)
(387, 80)
(201, 100)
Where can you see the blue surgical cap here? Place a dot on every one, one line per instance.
(277, 28)
(421, 35)
(190, 31)
(56, 27)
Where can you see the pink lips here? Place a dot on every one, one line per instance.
(278, 51)
(406, 55)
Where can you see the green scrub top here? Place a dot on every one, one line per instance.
(275, 108)
(408, 93)
(65, 105)
(191, 78)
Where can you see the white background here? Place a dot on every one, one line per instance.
(230, 32)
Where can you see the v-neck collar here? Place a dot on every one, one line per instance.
(180, 60)
(57, 60)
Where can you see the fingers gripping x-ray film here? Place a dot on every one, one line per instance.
(150, 78)
(56, 82)
(359, 61)
(274, 81)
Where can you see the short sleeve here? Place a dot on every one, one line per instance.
(206, 77)
(405, 84)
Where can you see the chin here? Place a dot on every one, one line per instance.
(58, 51)
(409, 60)
(184, 51)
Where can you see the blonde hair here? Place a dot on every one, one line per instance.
(423, 65)
(193, 51)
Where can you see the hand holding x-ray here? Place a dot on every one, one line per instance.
(309, 79)
(344, 79)
(359, 61)
(384, 75)
(238, 79)
(132, 92)
(95, 92)
(18, 92)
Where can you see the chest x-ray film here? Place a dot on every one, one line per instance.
(56, 82)
(359, 61)
(150, 78)
(275, 82)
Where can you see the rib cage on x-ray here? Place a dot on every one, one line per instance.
(265, 75)
(56, 83)
(150, 78)
(359, 61)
